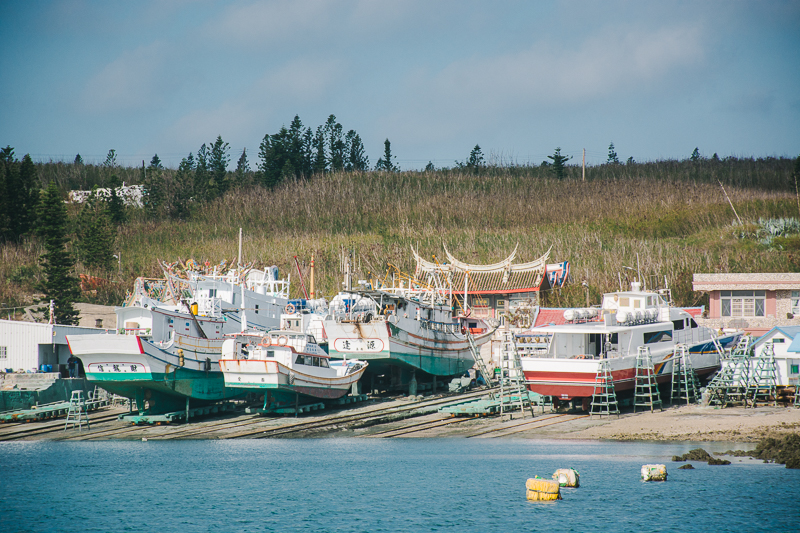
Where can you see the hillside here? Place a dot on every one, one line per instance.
(673, 215)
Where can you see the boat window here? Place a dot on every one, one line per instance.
(270, 353)
(651, 300)
(693, 323)
(311, 339)
(651, 337)
(315, 361)
(624, 301)
(323, 363)
(678, 324)
(301, 360)
(637, 303)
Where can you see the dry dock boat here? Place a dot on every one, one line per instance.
(563, 361)
(284, 365)
(166, 351)
(403, 331)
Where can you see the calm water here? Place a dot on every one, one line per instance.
(374, 485)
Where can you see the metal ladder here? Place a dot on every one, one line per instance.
(512, 380)
(604, 398)
(480, 364)
(644, 395)
(730, 383)
(77, 411)
(685, 385)
(762, 383)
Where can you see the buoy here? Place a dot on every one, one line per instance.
(539, 489)
(654, 473)
(144, 439)
(567, 477)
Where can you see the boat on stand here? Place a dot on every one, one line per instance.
(563, 361)
(408, 331)
(286, 367)
(165, 353)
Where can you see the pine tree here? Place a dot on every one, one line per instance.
(182, 189)
(27, 197)
(218, 164)
(5, 208)
(95, 234)
(60, 283)
(336, 146)
(242, 168)
(695, 154)
(475, 160)
(557, 166)
(320, 161)
(78, 160)
(612, 155)
(154, 188)
(356, 158)
(116, 206)
(385, 163)
(430, 167)
(203, 187)
(111, 159)
(155, 163)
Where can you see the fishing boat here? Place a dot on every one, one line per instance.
(401, 331)
(563, 360)
(170, 334)
(286, 366)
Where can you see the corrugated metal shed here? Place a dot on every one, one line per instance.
(26, 346)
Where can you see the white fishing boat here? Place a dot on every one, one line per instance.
(285, 365)
(170, 334)
(563, 360)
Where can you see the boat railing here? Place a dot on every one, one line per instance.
(142, 332)
(210, 307)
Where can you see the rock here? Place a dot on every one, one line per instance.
(678, 458)
(715, 461)
(686, 467)
(698, 454)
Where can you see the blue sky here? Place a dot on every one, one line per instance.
(518, 78)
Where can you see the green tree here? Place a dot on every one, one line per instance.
(181, 198)
(27, 197)
(218, 164)
(357, 158)
(155, 163)
(336, 145)
(60, 283)
(475, 160)
(203, 186)
(116, 206)
(558, 164)
(430, 167)
(612, 155)
(78, 160)
(5, 207)
(242, 168)
(630, 161)
(111, 159)
(695, 154)
(385, 163)
(155, 190)
(95, 235)
(320, 159)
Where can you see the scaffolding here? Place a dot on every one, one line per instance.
(604, 398)
(762, 385)
(646, 388)
(77, 411)
(729, 386)
(685, 385)
(513, 391)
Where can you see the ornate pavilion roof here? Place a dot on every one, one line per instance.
(503, 277)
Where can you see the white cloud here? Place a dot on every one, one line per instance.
(135, 80)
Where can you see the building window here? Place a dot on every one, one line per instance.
(742, 303)
(779, 340)
(795, 302)
(795, 369)
(3, 353)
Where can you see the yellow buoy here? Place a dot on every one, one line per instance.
(539, 489)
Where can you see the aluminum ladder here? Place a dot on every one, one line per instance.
(480, 364)
(730, 383)
(77, 411)
(685, 385)
(604, 398)
(762, 384)
(512, 379)
(646, 389)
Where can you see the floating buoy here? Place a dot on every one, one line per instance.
(539, 489)
(144, 439)
(654, 473)
(567, 477)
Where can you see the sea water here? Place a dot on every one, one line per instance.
(375, 485)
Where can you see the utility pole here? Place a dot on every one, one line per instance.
(584, 164)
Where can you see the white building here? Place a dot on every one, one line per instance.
(786, 345)
(26, 346)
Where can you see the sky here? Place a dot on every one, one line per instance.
(656, 78)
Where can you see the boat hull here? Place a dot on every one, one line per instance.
(569, 379)
(282, 382)
(385, 344)
(151, 373)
